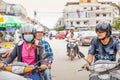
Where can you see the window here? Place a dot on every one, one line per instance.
(104, 14)
(97, 8)
(97, 22)
(77, 22)
(97, 15)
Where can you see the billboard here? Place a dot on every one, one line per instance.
(13, 9)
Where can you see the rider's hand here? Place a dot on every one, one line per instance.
(49, 66)
(43, 67)
(85, 66)
(1, 65)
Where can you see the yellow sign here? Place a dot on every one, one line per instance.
(7, 45)
(1, 18)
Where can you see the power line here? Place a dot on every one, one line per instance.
(55, 12)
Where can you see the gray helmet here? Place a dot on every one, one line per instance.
(104, 26)
(28, 28)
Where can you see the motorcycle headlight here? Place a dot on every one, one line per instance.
(18, 69)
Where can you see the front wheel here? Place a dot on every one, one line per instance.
(71, 55)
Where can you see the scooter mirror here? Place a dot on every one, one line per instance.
(81, 54)
(45, 55)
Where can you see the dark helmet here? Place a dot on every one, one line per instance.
(28, 28)
(104, 26)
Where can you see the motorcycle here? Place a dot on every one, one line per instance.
(103, 69)
(50, 37)
(71, 49)
(21, 68)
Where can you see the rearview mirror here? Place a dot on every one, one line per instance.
(81, 54)
(45, 55)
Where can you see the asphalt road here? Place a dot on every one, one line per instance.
(63, 68)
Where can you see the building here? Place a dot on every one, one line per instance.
(87, 13)
(2, 7)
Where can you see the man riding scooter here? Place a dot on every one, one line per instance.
(102, 47)
(71, 36)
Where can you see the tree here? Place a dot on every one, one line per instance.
(116, 23)
(59, 28)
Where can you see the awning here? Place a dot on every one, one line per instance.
(11, 22)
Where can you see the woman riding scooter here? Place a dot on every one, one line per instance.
(25, 51)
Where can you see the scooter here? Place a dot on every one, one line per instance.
(21, 68)
(103, 69)
(72, 51)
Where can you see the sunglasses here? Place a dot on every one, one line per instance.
(100, 31)
(39, 32)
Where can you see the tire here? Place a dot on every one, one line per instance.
(71, 55)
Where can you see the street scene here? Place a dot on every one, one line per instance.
(65, 69)
(59, 40)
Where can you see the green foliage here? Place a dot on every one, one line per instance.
(59, 28)
(116, 23)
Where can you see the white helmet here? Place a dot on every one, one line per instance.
(39, 28)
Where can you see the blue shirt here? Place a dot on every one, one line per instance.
(104, 52)
(47, 49)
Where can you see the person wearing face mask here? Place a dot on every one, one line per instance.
(25, 51)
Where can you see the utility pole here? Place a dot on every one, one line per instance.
(35, 13)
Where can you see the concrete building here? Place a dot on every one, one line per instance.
(87, 13)
(2, 7)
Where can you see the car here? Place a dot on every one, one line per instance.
(116, 34)
(85, 37)
(60, 35)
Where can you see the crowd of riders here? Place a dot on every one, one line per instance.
(102, 47)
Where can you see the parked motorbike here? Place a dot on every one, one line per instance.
(71, 49)
(103, 70)
(21, 68)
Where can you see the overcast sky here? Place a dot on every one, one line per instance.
(48, 10)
